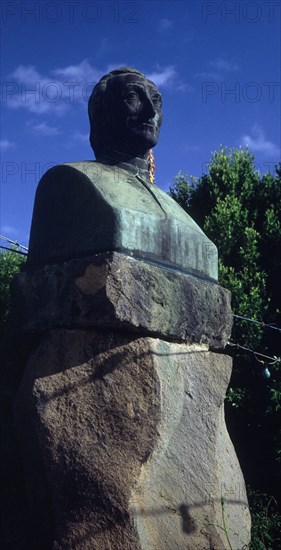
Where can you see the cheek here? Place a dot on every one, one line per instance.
(158, 117)
(132, 110)
(125, 114)
(158, 122)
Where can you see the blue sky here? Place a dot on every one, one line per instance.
(217, 65)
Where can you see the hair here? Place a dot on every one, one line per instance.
(97, 108)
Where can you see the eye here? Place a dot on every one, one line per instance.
(131, 96)
(157, 100)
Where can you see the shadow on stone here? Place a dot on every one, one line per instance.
(188, 525)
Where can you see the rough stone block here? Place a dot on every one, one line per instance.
(117, 291)
(126, 445)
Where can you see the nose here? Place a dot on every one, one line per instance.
(149, 108)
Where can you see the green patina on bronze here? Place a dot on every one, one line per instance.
(93, 207)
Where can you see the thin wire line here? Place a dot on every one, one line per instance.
(257, 322)
(11, 250)
(255, 353)
(13, 242)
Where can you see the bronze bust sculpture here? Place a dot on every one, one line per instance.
(125, 111)
(91, 207)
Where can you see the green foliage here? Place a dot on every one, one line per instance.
(266, 521)
(182, 192)
(14, 510)
(235, 396)
(240, 211)
(10, 264)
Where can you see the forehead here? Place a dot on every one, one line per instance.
(122, 81)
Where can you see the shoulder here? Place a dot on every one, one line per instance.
(67, 174)
(97, 172)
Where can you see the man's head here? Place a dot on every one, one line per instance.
(125, 111)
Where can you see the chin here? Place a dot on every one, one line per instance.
(145, 139)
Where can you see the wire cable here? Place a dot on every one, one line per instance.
(11, 250)
(261, 323)
(255, 353)
(3, 238)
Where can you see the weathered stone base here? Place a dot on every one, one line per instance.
(126, 445)
(119, 292)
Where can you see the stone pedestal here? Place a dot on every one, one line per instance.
(120, 409)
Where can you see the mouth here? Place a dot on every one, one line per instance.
(147, 125)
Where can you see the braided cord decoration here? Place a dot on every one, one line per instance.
(151, 166)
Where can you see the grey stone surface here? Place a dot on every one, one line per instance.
(85, 208)
(126, 445)
(119, 291)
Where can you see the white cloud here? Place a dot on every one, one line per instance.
(164, 77)
(191, 148)
(218, 65)
(258, 143)
(27, 74)
(79, 136)
(208, 76)
(113, 66)
(105, 46)
(67, 87)
(168, 78)
(221, 64)
(45, 129)
(6, 144)
(9, 231)
(26, 88)
(78, 139)
(82, 73)
(189, 36)
(165, 24)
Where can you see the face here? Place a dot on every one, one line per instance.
(135, 111)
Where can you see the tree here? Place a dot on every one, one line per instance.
(10, 264)
(14, 513)
(240, 211)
